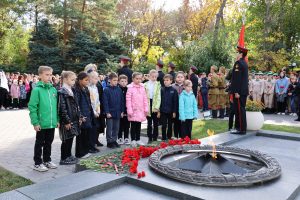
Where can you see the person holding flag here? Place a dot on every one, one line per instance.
(239, 85)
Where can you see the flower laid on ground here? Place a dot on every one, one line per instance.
(127, 161)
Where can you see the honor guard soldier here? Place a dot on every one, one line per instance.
(160, 77)
(124, 68)
(239, 89)
(213, 92)
(171, 70)
(195, 80)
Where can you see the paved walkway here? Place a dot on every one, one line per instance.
(18, 136)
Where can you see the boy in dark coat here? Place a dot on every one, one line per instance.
(113, 104)
(168, 106)
(124, 124)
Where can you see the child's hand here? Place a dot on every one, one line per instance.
(183, 120)
(122, 115)
(174, 115)
(146, 113)
(58, 125)
(37, 128)
(158, 115)
(108, 115)
(68, 126)
(155, 110)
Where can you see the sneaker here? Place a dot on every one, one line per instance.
(291, 114)
(127, 141)
(295, 115)
(116, 144)
(278, 113)
(139, 142)
(50, 165)
(120, 141)
(133, 143)
(99, 144)
(68, 161)
(86, 156)
(40, 168)
(111, 145)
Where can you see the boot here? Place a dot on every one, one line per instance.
(222, 111)
(214, 114)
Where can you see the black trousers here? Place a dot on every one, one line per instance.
(3, 97)
(166, 121)
(124, 127)
(43, 142)
(93, 137)
(186, 128)
(231, 117)
(177, 126)
(281, 106)
(15, 103)
(135, 130)
(22, 103)
(240, 112)
(66, 149)
(152, 132)
(82, 143)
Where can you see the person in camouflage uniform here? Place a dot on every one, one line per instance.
(222, 94)
(213, 93)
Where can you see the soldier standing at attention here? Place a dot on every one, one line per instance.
(171, 71)
(124, 68)
(213, 92)
(222, 94)
(160, 77)
(239, 89)
(195, 80)
(269, 86)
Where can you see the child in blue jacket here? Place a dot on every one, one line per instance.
(187, 109)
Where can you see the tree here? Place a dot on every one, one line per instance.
(113, 47)
(44, 48)
(82, 51)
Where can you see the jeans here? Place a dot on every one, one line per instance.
(112, 129)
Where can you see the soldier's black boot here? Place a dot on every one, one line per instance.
(214, 114)
(222, 111)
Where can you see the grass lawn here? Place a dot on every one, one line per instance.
(220, 126)
(10, 181)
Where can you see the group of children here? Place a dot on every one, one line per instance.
(78, 109)
(15, 91)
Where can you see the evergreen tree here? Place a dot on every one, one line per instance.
(112, 47)
(82, 51)
(44, 48)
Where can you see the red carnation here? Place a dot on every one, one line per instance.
(163, 145)
(143, 174)
(139, 175)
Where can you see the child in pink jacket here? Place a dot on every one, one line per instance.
(15, 93)
(137, 107)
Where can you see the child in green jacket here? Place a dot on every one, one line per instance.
(44, 118)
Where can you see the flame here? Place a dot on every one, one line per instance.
(214, 150)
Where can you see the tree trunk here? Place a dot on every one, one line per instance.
(36, 13)
(65, 35)
(267, 21)
(82, 12)
(218, 19)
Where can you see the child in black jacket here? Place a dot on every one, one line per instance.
(168, 106)
(124, 124)
(69, 117)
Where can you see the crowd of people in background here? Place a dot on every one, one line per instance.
(87, 104)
